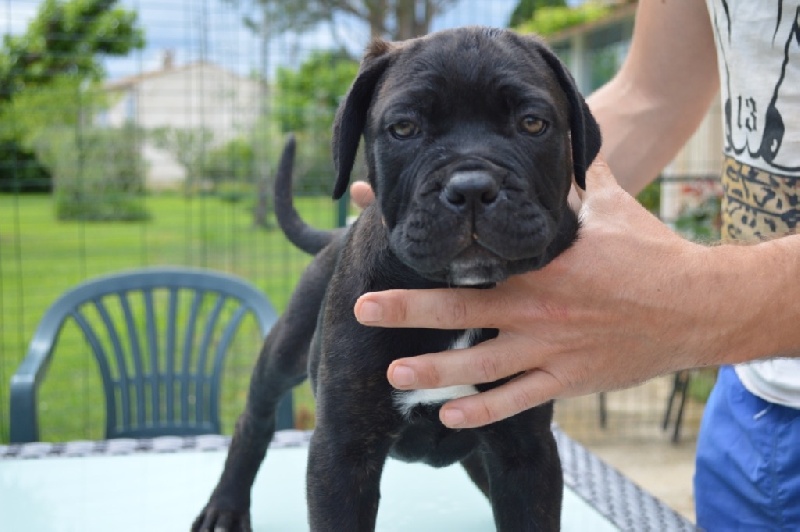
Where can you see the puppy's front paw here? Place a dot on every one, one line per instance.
(219, 518)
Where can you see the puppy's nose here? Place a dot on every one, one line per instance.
(470, 188)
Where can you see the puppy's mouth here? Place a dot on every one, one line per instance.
(476, 266)
(474, 274)
(479, 267)
(461, 254)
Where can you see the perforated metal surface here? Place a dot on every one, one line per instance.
(612, 494)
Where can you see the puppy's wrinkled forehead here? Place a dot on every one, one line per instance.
(461, 73)
(471, 68)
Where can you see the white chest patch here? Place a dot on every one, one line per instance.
(406, 401)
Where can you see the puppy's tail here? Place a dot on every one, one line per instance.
(299, 233)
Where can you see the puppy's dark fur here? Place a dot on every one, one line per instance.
(472, 137)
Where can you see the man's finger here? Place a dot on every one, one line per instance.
(362, 194)
(429, 309)
(521, 393)
(486, 362)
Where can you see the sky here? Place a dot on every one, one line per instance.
(213, 30)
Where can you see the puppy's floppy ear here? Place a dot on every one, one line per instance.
(351, 117)
(584, 131)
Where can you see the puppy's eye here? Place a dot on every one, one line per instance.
(532, 125)
(404, 129)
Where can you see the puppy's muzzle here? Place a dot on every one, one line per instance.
(469, 190)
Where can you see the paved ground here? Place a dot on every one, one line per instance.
(634, 442)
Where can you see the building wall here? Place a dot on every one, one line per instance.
(199, 96)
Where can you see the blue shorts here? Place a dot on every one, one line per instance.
(748, 461)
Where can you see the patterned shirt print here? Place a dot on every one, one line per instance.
(758, 45)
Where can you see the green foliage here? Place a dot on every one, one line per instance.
(701, 384)
(232, 162)
(604, 63)
(189, 146)
(650, 197)
(526, 9)
(551, 20)
(234, 191)
(64, 102)
(231, 168)
(308, 97)
(65, 38)
(60, 47)
(699, 217)
(99, 173)
(701, 222)
(20, 171)
(306, 103)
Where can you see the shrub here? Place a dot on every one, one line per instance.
(234, 191)
(98, 172)
(549, 20)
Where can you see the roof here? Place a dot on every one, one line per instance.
(131, 81)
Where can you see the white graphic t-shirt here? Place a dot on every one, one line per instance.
(758, 53)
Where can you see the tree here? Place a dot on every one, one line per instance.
(392, 19)
(389, 19)
(526, 10)
(66, 101)
(307, 98)
(99, 172)
(305, 104)
(549, 20)
(189, 147)
(64, 40)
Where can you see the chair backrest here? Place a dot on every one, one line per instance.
(160, 337)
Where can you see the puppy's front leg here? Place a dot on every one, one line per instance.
(525, 477)
(343, 480)
(228, 508)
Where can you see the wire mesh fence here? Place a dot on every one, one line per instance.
(143, 132)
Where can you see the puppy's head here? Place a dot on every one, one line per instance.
(472, 138)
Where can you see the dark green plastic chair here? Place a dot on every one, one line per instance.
(160, 337)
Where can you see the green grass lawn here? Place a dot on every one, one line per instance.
(41, 257)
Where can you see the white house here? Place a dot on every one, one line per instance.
(198, 95)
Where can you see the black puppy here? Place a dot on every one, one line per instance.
(472, 137)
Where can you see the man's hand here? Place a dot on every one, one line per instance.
(617, 308)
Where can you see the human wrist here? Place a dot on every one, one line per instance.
(747, 301)
(776, 293)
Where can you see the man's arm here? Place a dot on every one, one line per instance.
(661, 93)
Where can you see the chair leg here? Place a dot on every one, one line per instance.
(284, 416)
(603, 410)
(679, 417)
(680, 388)
(670, 401)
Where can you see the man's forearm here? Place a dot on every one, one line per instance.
(657, 100)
